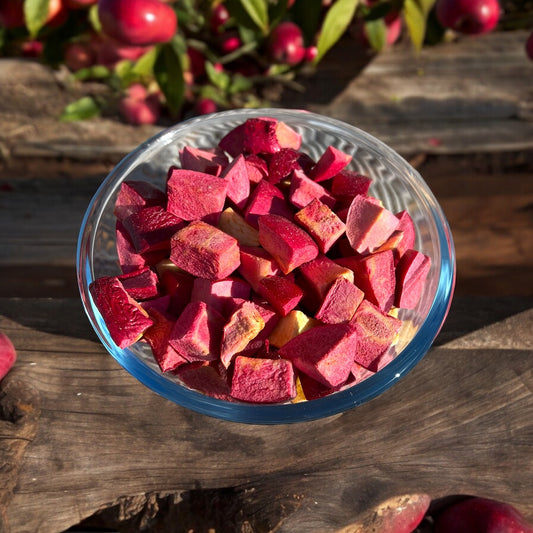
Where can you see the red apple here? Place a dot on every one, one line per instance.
(138, 107)
(471, 17)
(219, 17)
(205, 106)
(137, 22)
(481, 515)
(286, 44)
(8, 354)
(78, 56)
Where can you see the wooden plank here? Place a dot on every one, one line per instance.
(98, 442)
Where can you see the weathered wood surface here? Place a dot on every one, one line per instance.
(102, 437)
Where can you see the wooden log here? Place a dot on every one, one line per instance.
(99, 441)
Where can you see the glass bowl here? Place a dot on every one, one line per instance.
(394, 182)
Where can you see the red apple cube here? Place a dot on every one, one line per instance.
(259, 380)
(256, 264)
(281, 164)
(238, 188)
(197, 333)
(208, 161)
(266, 136)
(256, 167)
(375, 275)
(340, 302)
(141, 284)
(321, 223)
(368, 225)
(125, 319)
(347, 184)
(151, 228)
(287, 137)
(288, 244)
(195, 195)
(176, 283)
(8, 355)
(219, 294)
(325, 353)
(271, 319)
(128, 258)
(204, 378)
(303, 190)
(205, 251)
(407, 227)
(134, 195)
(280, 292)
(233, 141)
(266, 199)
(331, 162)
(411, 274)
(360, 373)
(313, 389)
(242, 327)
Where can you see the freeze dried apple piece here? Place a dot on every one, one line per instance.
(267, 135)
(233, 141)
(233, 224)
(126, 320)
(151, 228)
(256, 167)
(208, 161)
(260, 380)
(266, 199)
(195, 195)
(411, 274)
(286, 242)
(256, 264)
(289, 326)
(281, 164)
(134, 195)
(236, 175)
(321, 223)
(197, 332)
(407, 227)
(303, 190)
(280, 292)
(368, 224)
(243, 325)
(205, 251)
(331, 162)
(375, 275)
(377, 332)
(176, 283)
(347, 184)
(340, 302)
(219, 294)
(128, 258)
(261, 340)
(325, 353)
(204, 378)
(312, 389)
(141, 284)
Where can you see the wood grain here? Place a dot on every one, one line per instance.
(102, 436)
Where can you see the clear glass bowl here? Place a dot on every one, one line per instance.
(394, 182)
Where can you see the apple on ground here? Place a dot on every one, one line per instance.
(8, 354)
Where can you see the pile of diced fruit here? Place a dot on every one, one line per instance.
(259, 274)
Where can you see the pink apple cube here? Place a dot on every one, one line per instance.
(141, 284)
(280, 292)
(208, 161)
(303, 190)
(266, 199)
(219, 294)
(331, 162)
(411, 274)
(256, 264)
(236, 174)
(134, 195)
(340, 302)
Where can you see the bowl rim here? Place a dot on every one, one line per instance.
(249, 413)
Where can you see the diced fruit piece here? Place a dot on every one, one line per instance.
(340, 302)
(128, 258)
(266, 199)
(256, 264)
(208, 161)
(233, 141)
(204, 378)
(141, 284)
(331, 162)
(287, 137)
(346, 185)
(158, 335)
(303, 190)
(8, 355)
(271, 319)
(197, 332)
(321, 223)
(243, 326)
(219, 294)
(280, 292)
(281, 164)
(289, 244)
(134, 195)
(321, 272)
(375, 275)
(266, 136)
(312, 389)
(151, 228)
(205, 251)
(238, 188)
(289, 326)
(377, 331)
(360, 373)
(325, 353)
(177, 284)
(392, 243)
(263, 380)
(256, 166)
(407, 228)
(368, 225)
(126, 320)
(195, 195)
(411, 274)
(233, 224)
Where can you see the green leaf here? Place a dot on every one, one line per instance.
(82, 109)
(35, 15)
(168, 73)
(240, 83)
(96, 72)
(276, 11)
(144, 66)
(415, 13)
(218, 78)
(376, 31)
(337, 19)
(258, 12)
(94, 19)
